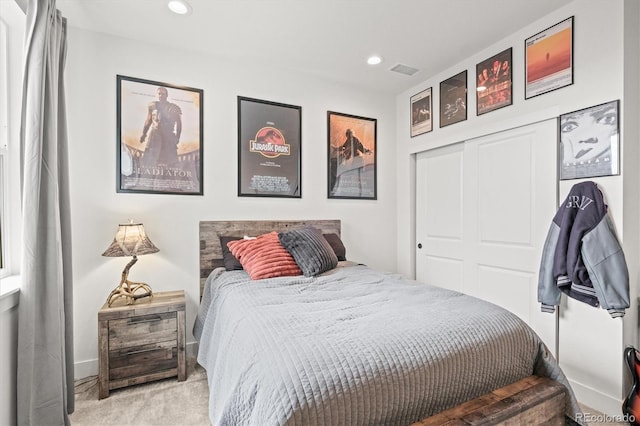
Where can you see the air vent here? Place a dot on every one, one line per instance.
(404, 69)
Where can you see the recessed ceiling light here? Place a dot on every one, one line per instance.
(180, 7)
(374, 60)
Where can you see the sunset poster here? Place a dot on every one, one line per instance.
(549, 59)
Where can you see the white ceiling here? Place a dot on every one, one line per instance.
(329, 38)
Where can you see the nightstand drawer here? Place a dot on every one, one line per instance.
(141, 342)
(141, 360)
(143, 329)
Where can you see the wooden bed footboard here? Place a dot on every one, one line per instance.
(532, 400)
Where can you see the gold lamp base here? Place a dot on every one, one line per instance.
(130, 290)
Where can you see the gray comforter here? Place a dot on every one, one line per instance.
(355, 346)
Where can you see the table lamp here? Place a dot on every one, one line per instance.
(130, 240)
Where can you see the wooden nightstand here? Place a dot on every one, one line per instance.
(141, 342)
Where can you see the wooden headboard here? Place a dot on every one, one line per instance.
(210, 232)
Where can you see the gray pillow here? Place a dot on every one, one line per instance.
(337, 245)
(310, 250)
(230, 261)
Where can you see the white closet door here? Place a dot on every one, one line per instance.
(486, 205)
(440, 252)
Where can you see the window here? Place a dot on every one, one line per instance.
(12, 33)
(4, 144)
(3, 267)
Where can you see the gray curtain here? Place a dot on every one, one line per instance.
(45, 325)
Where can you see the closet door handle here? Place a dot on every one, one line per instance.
(419, 245)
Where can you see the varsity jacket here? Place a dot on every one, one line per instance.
(582, 256)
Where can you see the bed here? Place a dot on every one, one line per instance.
(351, 345)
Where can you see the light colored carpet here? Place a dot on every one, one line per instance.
(164, 402)
(169, 402)
(596, 418)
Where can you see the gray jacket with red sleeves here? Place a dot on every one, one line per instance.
(582, 256)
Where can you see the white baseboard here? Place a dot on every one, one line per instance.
(597, 400)
(88, 368)
(84, 369)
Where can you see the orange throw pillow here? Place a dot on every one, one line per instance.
(264, 257)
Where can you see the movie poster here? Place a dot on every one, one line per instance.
(159, 137)
(493, 85)
(549, 59)
(453, 99)
(352, 156)
(421, 113)
(590, 142)
(269, 138)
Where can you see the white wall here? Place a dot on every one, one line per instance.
(631, 160)
(591, 343)
(171, 221)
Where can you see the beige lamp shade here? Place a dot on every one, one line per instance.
(130, 240)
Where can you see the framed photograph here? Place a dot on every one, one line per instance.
(453, 99)
(590, 142)
(351, 142)
(421, 107)
(269, 139)
(159, 129)
(548, 62)
(494, 81)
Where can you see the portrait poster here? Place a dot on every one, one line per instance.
(269, 139)
(159, 129)
(549, 59)
(453, 99)
(494, 81)
(421, 107)
(352, 156)
(590, 142)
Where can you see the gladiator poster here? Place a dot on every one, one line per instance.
(493, 84)
(269, 138)
(549, 59)
(352, 156)
(159, 137)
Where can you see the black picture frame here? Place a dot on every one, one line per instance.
(590, 142)
(494, 81)
(352, 156)
(548, 60)
(453, 99)
(159, 138)
(269, 149)
(421, 105)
